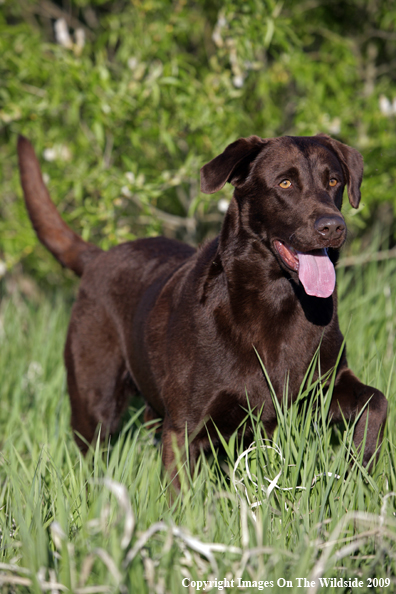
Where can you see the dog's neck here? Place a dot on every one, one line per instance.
(251, 269)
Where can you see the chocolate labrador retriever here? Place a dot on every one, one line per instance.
(184, 326)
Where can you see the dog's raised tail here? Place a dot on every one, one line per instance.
(67, 247)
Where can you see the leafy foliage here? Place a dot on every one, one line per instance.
(123, 121)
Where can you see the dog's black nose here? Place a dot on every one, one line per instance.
(330, 227)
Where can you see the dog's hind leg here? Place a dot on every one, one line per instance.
(99, 383)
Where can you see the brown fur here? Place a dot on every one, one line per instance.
(181, 326)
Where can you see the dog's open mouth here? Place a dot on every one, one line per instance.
(315, 269)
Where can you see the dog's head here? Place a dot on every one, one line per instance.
(288, 194)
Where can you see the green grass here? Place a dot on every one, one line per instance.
(108, 523)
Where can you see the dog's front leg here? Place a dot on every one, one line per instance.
(350, 396)
(174, 453)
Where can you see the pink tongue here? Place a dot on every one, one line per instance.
(317, 274)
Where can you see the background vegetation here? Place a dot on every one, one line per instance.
(124, 102)
(128, 99)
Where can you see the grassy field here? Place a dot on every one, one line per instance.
(273, 519)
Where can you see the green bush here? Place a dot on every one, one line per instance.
(123, 123)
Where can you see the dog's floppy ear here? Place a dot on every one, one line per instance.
(227, 167)
(352, 164)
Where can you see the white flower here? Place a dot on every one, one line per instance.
(238, 81)
(132, 63)
(62, 35)
(60, 151)
(64, 153)
(385, 106)
(222, 205)
(80, 38)
(216, 36)
(334, 126)
(125, 191)
(49, 154)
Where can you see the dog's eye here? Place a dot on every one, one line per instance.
(333, 182)
(286, 183)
